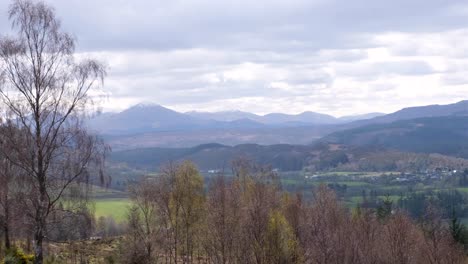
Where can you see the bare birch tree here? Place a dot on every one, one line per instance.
(46, 91)
(6, 199)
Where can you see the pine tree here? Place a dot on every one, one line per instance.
(385, 209)
(458, 230)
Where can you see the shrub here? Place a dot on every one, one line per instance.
(17, 256)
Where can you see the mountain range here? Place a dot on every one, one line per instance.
(150, 125)
(279, 118)
(456, 109)
(145, 118)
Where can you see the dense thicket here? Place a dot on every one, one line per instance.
(249, 219)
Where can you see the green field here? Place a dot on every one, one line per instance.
(351, 183)
(110, 202)
(115, 207)
(353, 173)
(349, 186)
(463, 190)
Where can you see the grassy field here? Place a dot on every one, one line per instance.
(111, 203)
(351, 183)
(360, 174)
(115, 207)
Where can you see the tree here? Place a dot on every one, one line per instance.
(6, 199)
(167, 212)
(439, 243)
(137, 243)
(11, 194)
(401, 240)
(384, 210)
(167, 215)
(458, 230)
(46, 91)
(281, 243)
(142, 219)
(189, 199)
(248, 219)
(323, 231)
(222, 220)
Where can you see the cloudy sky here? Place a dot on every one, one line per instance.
(333, 56)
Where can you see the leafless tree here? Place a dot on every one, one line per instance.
(167, 215)
(144, 225)
(223, 223)
(438, 246)
(46, 91)
(6, 199)
(168, 211)
(400, 240)
(323, 231)
(364, 234)
(248, 219)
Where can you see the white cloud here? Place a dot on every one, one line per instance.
(337, 57)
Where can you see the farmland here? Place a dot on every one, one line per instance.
(353, 188)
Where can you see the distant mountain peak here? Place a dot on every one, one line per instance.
(215, 112)
(233, 111)
(146, 104)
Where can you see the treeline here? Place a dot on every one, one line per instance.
(362, 159)
(249, 219)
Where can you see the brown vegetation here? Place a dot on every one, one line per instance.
(249, 219)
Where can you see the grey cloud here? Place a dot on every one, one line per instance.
(452, 44)
(404, 68)
(308, 77)
(308, 54)
(369, 71)
(260, 25)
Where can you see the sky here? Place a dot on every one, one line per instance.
(339, 57)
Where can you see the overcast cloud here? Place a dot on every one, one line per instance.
(337, 57)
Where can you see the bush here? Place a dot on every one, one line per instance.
(17, 256)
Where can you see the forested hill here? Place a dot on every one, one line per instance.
(446, 135)
(459, 109)
(216, 156)
(289, 157)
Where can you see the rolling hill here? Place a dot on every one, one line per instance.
(286, 157)
(217, 156)
(301, 135)
(225, 116)
(280, 118)
(446, 135)
(456, 109)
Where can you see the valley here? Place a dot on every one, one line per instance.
(233, 132)
(364, 161)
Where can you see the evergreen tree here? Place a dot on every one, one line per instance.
(385, 208)
(458, 230)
